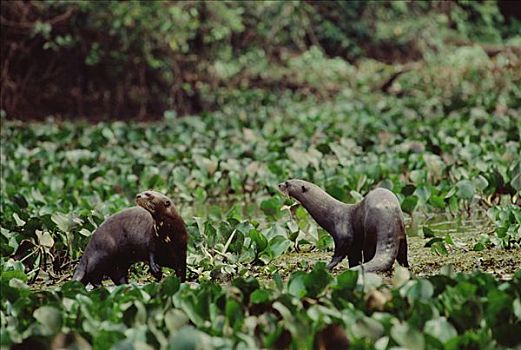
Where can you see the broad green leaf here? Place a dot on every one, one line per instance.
(260, 296)
(478, 247)
(356, 196)
(170, 285)
(45, 239)
(440, 329)
(297, 284)
(367, 327)
(417, 290)
(317, 280)
(417, 176)
(175, 319)
(64, 222)
(466, 189)
(516, 182)
(347, 279)
(260, 240)
(437, 201)
(409, 204)
(407, 337)
(189, 338)
(433, 240)
(278, 245)
(517, 308)
(427, 232)
(401, 276)
(439, 248)
(85, 232)
(19, 222)
(271, 206)
(480, 183)
(234, 313)
(50, 318)
(278, 281)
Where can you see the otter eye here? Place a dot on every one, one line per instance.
(304, 188)
(147, 194)
(167, 204)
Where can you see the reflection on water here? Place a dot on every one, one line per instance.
(442, 223)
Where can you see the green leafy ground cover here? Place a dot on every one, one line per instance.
(445, 311)
(447, 142)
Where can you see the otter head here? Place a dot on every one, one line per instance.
(296, 188)
(156, 203)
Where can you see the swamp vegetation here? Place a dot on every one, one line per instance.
(434, 117)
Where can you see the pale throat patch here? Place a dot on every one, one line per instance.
(157, 226)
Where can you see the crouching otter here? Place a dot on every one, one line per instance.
(151, 232)
(370, 232)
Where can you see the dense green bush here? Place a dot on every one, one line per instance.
(111, 59)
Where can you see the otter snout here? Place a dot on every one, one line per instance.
(284, 187)
(145, 195)
(145, 200)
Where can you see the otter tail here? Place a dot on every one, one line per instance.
(386, 228)
(81, 270)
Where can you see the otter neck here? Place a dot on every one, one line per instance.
(171, 225)
(325, 209)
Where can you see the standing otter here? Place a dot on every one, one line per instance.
(371, 231)
(152, 232)
(171, 230)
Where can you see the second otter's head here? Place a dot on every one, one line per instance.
(156, 203)
(298, 189)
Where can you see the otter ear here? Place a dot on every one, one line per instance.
(304, 188)
(167, 204)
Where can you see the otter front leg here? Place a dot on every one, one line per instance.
(180, 266)
(334, 262)
(354, 257)
(343, 241)
(119, 275)
(154, 267)
(340, 252)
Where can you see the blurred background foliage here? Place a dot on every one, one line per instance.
(138, 59)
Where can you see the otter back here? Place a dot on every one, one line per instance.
(123, 239)
(370, 232)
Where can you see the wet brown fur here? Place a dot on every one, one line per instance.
(152, 232)
(371, 232)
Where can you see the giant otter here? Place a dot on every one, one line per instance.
(370, 231)
(152, 232)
